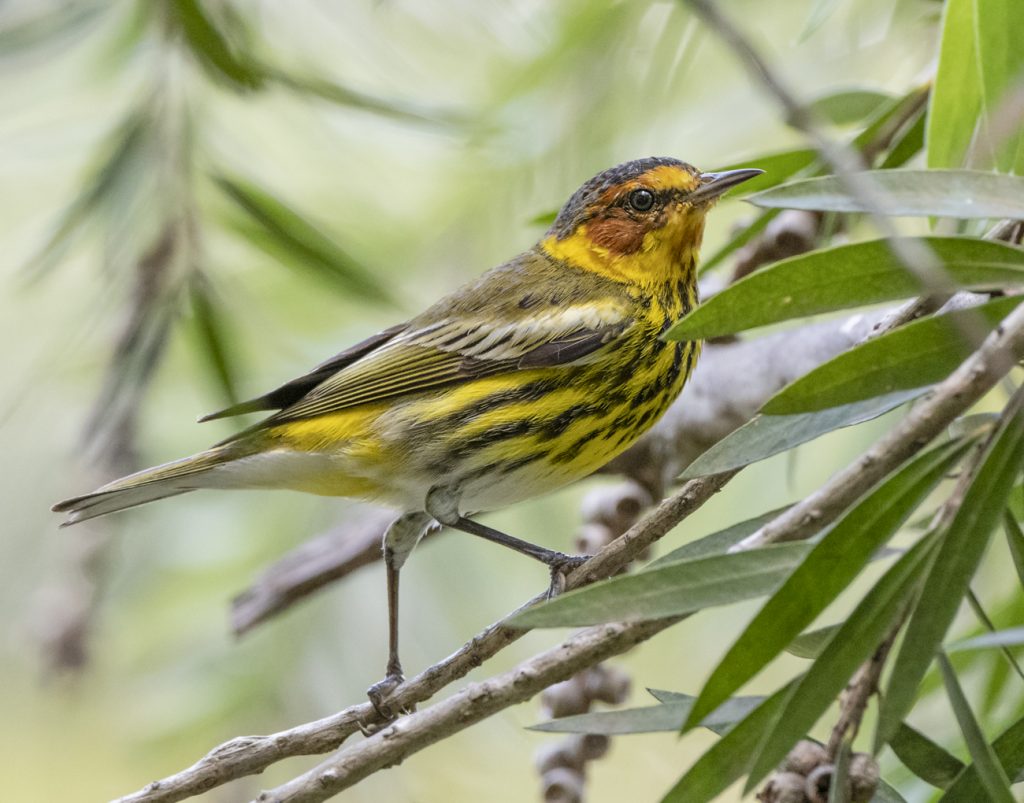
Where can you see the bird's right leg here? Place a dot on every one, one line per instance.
(401, 537)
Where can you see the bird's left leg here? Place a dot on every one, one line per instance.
(401, 537)
(442, 504)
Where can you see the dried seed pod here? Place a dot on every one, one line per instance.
(566, 698)
(562, 785)
(594, 746)
(558, 755)
(819, 782)
(864, 776)
(783, 787)
(804, 757)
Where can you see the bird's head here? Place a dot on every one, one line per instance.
(641, 222)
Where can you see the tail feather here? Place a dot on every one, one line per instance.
(170, 479)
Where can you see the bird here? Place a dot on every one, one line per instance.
(526, 380)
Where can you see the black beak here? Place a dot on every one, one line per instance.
(716, 184)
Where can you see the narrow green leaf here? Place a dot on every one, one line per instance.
(334, 92)
(1000, 66)
(291, 238)
(820, 11)
(956, 95)
(718, 543)
(121, 156)
(1011, 637)
(767, 435)
(964, 194)
(854, 642)
(730, 757)
(828, 569)
(923, 757)
(210, 47)
(669, 590)
(212, 339)
(906, 145)
(963, 545)
(837, 791)
(666, 717)
(1009, 750)
(987, 765)
(846, 276)
(849, 105)
(1015, 541)
(885, 793)
(913, 356)
(811, 643)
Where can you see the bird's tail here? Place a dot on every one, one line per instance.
(170, 479)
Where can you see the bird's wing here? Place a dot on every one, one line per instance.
(450, 351)
(291, 392)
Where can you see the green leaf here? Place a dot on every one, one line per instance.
(341, 95)
(811, 643)
(718, 543)
(285, 234)
(963, 544)
(906, 145)
(767, 435)
(855, 641)
(212, 336)
(666, 717)
(887, 794)
(828, 569)
(1011, 637)
(210, 47)
(846, 276)
(964, 194)
(956, 95)
(849, 105)
(1015, 541)
(122, 154)
(1009, 750)
(820, 11)
(990, 771)
(730, 757)
(669, 590)
(923, 757)
(1001, 67)
(913, 356)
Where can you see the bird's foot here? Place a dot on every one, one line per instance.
(561, 568)
(380, 692)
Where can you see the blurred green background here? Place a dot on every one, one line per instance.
(522, 102)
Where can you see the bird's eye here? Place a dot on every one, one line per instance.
(641, 200)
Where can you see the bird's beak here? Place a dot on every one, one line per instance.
(715, 184)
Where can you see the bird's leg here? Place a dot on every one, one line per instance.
(399, 540)
(443, 506)
(559, 563)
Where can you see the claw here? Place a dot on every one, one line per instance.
(379, 693)
(560, 570)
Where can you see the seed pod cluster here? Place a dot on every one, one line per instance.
(807, 772)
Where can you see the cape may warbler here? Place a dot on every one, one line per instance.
(521, 382)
